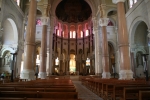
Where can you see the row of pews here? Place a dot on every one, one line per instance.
(114, 89)
(45, 89)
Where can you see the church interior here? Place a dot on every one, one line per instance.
(70, 49)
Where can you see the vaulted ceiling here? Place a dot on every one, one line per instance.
(73, 11)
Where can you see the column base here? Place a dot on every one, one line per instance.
(42, 75)
(98, 74)
(27, 74)
(106, 75)
(125, 75)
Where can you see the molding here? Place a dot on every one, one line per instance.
(36, 0)
(116, 1)
(17, 7)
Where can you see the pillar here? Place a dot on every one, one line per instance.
(123, 44)
(29, 49)
(42, 69)
(97, 48)
(51, 63)
(105, 55)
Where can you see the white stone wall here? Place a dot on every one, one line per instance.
(11, 10)
(138, 13)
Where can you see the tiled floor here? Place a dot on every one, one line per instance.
(84, 93)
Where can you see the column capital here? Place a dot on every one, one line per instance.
(116, 1)
(103, 21)
(95, 22)
(45, 20)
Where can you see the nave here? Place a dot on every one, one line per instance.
(75, 88)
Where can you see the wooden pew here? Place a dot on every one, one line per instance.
(58, 95)
(144, 95)
(115, 89)
(60, 90)
(29, 94)
(34, 99)
(132, 93)
(18, 94)
(47, 89)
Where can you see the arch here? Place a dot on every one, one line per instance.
(9, 26)
(72, 51)
(133, 27)
(27, 10)
(140, 50)
(4, 50)
(112, 42)
(110, 18)
(111, 9)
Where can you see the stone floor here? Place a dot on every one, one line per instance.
(84, 93)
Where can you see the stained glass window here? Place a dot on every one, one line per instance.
(38, 22)
(81, 34)
(87, 32)
(70, 34)
(74, 34)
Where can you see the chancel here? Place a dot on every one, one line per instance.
(74, 49)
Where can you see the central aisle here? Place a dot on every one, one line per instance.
(84, 93)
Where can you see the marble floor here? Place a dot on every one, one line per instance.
(84, 93)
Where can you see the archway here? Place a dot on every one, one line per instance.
(140, 41)
(10, 36)
(72, 64)
(111, 51)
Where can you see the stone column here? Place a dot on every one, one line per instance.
(42, 69)
(51, 44)
(125, 65)
(28, 69)
(95, 31)
(105, 55)
(97, 48)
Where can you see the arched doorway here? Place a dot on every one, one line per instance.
(10, 45)
(72, 64)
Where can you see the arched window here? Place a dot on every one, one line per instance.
(87, 32)
(58, 34)
(57, 61)
(63, 34)
(70, 34)
(38, 22)
(81, 34)
(87, 62)
(74, 34)
(132, 2)
(18, 2)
